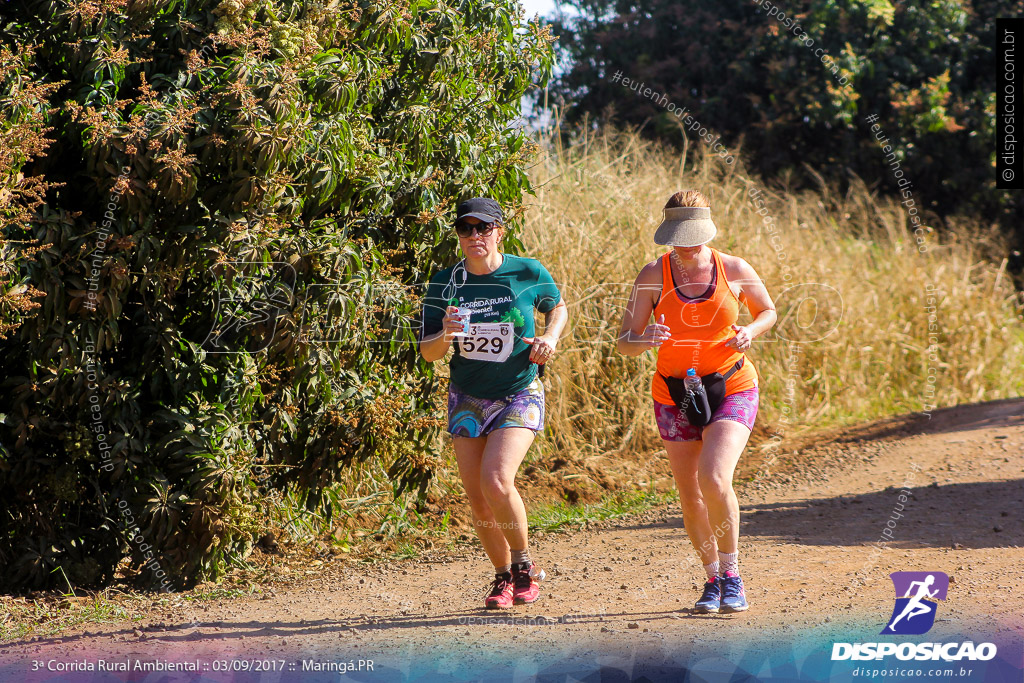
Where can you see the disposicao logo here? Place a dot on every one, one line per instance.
(916, 593)
(914, 614)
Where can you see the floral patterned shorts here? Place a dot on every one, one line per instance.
(673, 425)
(472, 416)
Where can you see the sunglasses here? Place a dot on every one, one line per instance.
(464, 229)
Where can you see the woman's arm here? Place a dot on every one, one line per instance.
(754, 294)
(635, 334)
(554, 322)
(436, 346)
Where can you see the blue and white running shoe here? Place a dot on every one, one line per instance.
(708, 603)
(733, 597)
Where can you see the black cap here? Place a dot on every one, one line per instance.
(482, 208)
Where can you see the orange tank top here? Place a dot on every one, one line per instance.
(699, 332)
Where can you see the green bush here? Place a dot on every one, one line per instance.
(228, 229)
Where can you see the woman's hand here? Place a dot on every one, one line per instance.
(543, 349)
(741, 342)
(655, 335)
(452, 322)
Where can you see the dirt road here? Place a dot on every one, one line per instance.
(618, 598)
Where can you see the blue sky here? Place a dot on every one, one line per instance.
(541, 7)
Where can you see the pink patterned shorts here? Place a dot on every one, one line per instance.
(673, 425)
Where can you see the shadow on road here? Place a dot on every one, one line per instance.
(963, 418)
(973, 514)
(189, 633)
(964, 513)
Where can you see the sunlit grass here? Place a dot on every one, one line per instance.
(23, 618)
(218, 593)
(563, 515)
(54, 614)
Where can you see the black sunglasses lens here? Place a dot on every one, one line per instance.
(465, 229)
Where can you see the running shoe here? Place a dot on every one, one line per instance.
(709, 601)
(525, 576)
(733, 597)
(500, 594)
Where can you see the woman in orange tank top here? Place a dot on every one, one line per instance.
(694, 293)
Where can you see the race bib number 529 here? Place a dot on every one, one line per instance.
(488, 341)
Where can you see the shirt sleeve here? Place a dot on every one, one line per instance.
(545, 293)
(434, 308)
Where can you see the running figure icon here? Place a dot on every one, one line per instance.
(916, 606)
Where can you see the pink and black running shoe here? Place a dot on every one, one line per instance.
(500, 594)
(525, 577)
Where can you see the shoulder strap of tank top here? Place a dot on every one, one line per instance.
(666, 277)
(666, 274)
(722, 278)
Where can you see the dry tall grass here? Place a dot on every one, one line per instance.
(851, 285)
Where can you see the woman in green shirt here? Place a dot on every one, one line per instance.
(495, 399)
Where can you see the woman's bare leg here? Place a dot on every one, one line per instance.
(684, 457)
(469, 452)
(502, 457)
(724, 442)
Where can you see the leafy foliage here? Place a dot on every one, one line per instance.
(228, 210)
(797, 90)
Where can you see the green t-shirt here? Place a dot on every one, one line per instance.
(510, 293)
